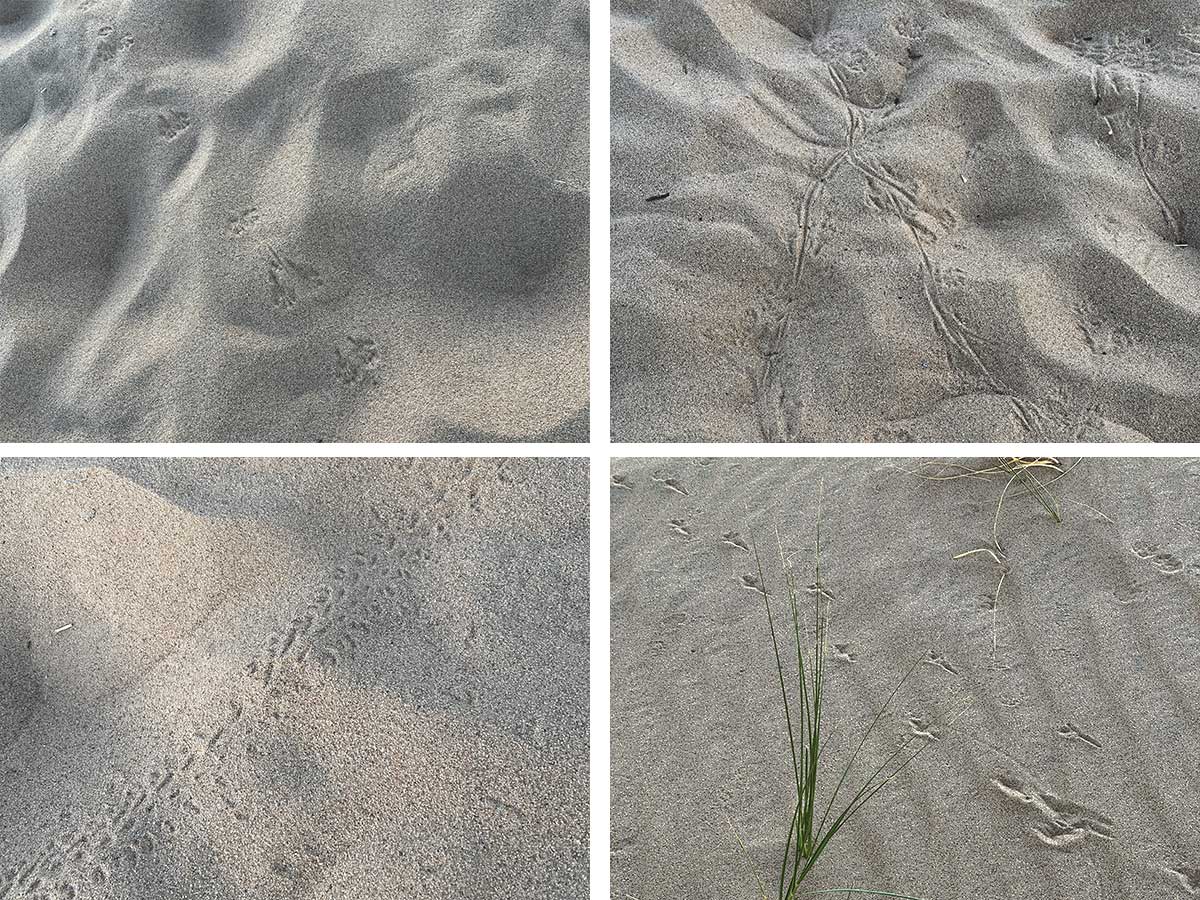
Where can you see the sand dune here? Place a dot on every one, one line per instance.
(293, 220)
(851, 221)
(294, 679)
(1072, 774)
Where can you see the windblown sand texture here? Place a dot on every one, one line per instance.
(355, 679)
(861, 220)
(293, 220)
(1074, 773)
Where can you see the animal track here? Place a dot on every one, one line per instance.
(733, 539)
(1167, 563)
(679, 526)
(923, 729)
(244, 221)
(842, 652)
(1064, 825)
(1138, 50)
(357, 363)
(172, 124)
(291, 281)
(1189, 879)
(1072, 732)
(622, 482)
(936, 659)
(111, 44)
(1103, 337)
(751, 583)
(671, 484)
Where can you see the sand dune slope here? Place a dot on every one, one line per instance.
(291, 679)
(920, 220)
(1073, 772)
(293, 220)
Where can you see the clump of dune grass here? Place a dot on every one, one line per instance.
(815, 820)
(1014, 470)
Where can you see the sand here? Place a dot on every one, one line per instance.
(895, 220)
(293, 221)
(335, 679)
(1074, 772)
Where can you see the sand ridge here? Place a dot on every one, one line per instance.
(1071, 773)
(293, 220)
(368, 697)
(849, 221)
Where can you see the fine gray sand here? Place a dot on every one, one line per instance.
(294, 679)
(293, 220)
(894, 220)
(1073, 774)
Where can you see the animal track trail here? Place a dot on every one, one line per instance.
(357, 362)
(172, 124)
(1073, 733)
(1130, 133)
(291, 282)
(622, 482)
(132, 822)
(1062, 825)
(136, 819)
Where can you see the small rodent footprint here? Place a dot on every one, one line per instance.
(622, 482)
(844, 653)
